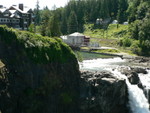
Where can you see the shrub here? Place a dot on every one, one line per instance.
(135, 47)
(125, 42)
(38, 48)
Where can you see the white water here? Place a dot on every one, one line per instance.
(100, 64)
(145, 80)
(137, 99)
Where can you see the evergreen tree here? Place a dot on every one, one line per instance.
(122, 16)
(104, 9)
(64, 24)
(54, 26)
(37, 13)
(144, 36)
(45, 20)
(72, 23)
(80, 16)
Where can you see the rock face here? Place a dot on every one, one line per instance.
(103, 93)
(132, 73)
(30, 87)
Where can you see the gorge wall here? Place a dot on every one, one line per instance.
(40, 75)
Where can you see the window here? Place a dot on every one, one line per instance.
(17, 21)
(6, 14)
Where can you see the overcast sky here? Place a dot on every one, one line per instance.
(32, 3)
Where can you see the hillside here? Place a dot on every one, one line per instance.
(111, 37)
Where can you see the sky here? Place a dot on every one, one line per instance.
(32, 3)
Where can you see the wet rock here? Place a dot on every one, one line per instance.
(139, 70)
(103, 93)
(133, 78)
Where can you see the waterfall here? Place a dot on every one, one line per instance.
(137, 100)
(145, 80)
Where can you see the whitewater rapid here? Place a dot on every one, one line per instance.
(137, 100)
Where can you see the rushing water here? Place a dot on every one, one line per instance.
(137, 99)
(101, 64)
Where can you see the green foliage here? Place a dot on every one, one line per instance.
(122, 7)
(37, 14)
(39, 49)
(45, 17)
(140, 31)
(107, 51)
(142, 9)
(31, 28)
(134, 29)
(126, 42)
(79, 56)
(112, 32)
(72, 23)
(54, 26)
(135, 47)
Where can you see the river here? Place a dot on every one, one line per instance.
(137, 100)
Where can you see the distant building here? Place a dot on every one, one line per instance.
(114, 22)
(17, 17)
(125, 23)
(76, 39)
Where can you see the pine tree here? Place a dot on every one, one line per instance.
(72, 23)
(45, 20)
(54, 26)
(37, 14)
(122, 16)
(64, 24)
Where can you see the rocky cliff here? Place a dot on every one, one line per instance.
(41, 74)
(103, 93)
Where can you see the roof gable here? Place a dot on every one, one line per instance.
(76, 34)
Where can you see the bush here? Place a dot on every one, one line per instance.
(125, 42)
(79, 56)
(135, 47)
(38, 48)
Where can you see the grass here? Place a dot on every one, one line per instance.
(107, 51)
(110, 37)
(111, 33)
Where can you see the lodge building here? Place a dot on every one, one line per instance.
(19, 17)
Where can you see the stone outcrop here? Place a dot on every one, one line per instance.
(33, 80)
(103, 93)
(133, 73)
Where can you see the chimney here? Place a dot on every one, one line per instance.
(1, 6)
(21, 7)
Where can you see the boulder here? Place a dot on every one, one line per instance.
(133, 78)
(139, 70)
(103, 93)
